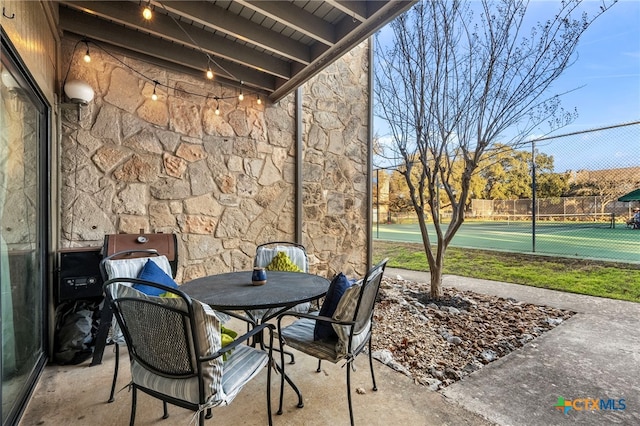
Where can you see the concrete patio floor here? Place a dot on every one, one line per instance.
(594, 355)
(77, 395)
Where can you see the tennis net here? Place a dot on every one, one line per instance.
(588, 220)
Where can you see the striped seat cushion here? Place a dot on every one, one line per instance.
(242, 365)
(299, 335)
(130, 268)
(265, 255)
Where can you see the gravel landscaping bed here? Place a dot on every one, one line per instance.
(439, 342)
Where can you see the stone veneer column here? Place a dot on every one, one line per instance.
(222, 183)
(336, 108)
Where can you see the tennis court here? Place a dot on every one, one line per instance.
(619, 244)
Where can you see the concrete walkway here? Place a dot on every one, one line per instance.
(595, 355)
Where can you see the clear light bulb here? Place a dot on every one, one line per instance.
(146, 13)
(87, 57)
(240, 96)
(259, 100)
(209, 74)
(217, 111)
(154, 97)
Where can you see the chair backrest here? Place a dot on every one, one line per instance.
(356, 305)
(123, 265)
(296, 252)
(167, 336)
(368, 294)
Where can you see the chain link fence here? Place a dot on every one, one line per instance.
(598, 166)
(585, 210)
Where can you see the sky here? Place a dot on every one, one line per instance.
(606, 79)
(607, 69)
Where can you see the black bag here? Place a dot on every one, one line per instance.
(75, 331)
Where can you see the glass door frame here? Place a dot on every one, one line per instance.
(11, 58)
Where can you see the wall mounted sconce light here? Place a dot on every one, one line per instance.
(79, 93)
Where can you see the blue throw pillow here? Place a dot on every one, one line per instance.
(323, 330)
(152, 272)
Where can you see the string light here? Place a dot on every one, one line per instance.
(156, 83)
(209, 73)
(147, 13)
(87, 56)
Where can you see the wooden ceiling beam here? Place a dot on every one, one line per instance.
(218, 19)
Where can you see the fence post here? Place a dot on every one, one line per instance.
(533, 194)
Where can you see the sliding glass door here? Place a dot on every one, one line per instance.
(23, 141)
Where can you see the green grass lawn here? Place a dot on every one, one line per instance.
(593, 278)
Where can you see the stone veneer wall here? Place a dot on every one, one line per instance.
(222, 183)
(336, 134)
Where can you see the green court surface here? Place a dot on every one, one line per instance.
(618, 244)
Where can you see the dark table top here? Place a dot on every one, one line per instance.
(234, 291)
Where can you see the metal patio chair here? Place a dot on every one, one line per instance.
(265, 253)
(353, 323)
(176, 353)
(123, 264)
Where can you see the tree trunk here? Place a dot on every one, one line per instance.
(436, 281)
(435, 260)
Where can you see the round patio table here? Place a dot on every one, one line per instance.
(234, 291)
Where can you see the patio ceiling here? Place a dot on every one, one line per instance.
(268, 46)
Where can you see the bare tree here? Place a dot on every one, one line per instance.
(605, 185)
(451, 84)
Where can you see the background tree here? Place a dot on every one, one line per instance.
(451, 83)
(548, 183)
(399, 201)
(381, 187)
(605, 185)
(506, 174)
